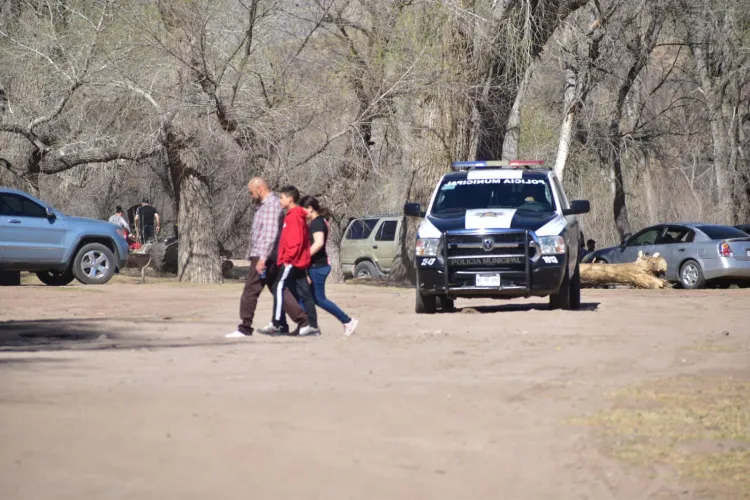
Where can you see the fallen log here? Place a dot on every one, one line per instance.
(643, 273)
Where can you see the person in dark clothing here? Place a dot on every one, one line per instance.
(320, 266)
(147, 222)
(294, 259)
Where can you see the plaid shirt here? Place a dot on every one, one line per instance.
(265, 227)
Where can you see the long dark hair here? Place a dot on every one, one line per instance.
(312, 202)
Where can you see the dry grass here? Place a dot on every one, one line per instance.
(701, 427)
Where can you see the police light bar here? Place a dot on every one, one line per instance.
(470, 165)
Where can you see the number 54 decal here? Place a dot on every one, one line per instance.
(428, 262)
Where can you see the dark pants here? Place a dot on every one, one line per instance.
(249, 300)
(148, 234)
(318, 276)
(294, 279)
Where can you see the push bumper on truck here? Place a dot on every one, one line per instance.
(490, 264)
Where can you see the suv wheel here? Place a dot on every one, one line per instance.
(366, 269)
(426, 304)
(54, 278)
(94, 264)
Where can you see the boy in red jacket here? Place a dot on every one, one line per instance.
(294, 259)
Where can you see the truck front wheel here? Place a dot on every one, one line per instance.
(426, 304)
(568, 297)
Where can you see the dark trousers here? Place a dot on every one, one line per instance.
(148, 234)
(249, 300)
(294, 279)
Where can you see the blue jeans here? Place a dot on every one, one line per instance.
(318, 276)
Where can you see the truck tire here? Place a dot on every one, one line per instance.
(575, 290)
(568, 297)
(53, 278)
(366, 269)
(10, 278)
(445, 304)
(94, 264)
(426, 304)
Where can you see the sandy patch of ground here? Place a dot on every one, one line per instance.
(131, 391)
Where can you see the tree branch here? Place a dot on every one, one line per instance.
(61, 160)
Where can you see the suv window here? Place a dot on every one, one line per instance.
(722, 232)
(457, 196)
(387, 231)
(361, 229)
(20, 206)
(645, 237)
(677, 234)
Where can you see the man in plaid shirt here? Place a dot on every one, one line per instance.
(261, 254)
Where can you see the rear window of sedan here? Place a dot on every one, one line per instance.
(722, 232)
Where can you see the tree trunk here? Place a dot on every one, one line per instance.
(333, 249)
(714, 101)
(648, 182)
(566, 130)
(198, 260)
(513, 129)
(639, 274)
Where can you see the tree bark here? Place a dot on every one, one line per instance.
(513, 129)
(640, 274)
(643, 46)
(566, 130)
(198, 260)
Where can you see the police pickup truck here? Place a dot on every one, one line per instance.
(498, 229)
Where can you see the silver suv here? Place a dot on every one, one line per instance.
(58, 248)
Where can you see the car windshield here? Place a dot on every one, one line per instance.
(722, 232)
(457, 196)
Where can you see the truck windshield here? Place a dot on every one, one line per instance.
(457, 196)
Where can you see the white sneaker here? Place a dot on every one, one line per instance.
(308, 331)
(350, 327)
(235, 335)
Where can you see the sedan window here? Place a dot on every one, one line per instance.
(646, 237)
(722, 232)
(677, 234)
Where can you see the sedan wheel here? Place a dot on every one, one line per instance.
(691, 275)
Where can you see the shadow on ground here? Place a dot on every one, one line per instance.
(80, 334)
(585, 307)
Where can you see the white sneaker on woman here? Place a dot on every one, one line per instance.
(350, 327)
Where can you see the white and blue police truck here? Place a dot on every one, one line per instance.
(498, 229)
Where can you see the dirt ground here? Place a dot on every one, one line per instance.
(130, 391)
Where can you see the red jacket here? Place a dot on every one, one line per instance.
(294, 245)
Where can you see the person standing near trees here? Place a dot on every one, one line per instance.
(320, 266)
(147, 221)
(118, 220)
(263, 270)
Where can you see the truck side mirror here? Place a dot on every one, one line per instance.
(414, 210)
(578, 207)
(50, 213)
